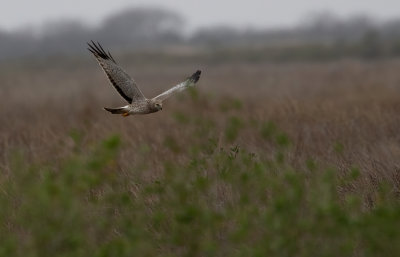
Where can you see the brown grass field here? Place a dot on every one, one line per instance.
(351, 104)
(341, 115)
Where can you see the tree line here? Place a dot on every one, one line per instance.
(140, 28)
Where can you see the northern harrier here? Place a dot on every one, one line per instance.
(127, 88)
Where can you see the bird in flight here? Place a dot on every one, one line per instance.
(127, 88)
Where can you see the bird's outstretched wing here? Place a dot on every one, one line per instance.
(189, 82)
(122, 82)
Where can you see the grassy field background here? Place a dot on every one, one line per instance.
(263, 159)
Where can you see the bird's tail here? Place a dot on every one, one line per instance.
(120, 110)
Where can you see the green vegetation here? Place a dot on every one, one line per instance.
(221, 201)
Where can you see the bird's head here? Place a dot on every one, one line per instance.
(158, 105)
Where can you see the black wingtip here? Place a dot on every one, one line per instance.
(196, 76)
(98, 51)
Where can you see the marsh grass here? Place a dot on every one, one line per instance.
(219, 202)
(290, 169)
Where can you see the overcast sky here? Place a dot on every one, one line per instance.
(240, 13)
